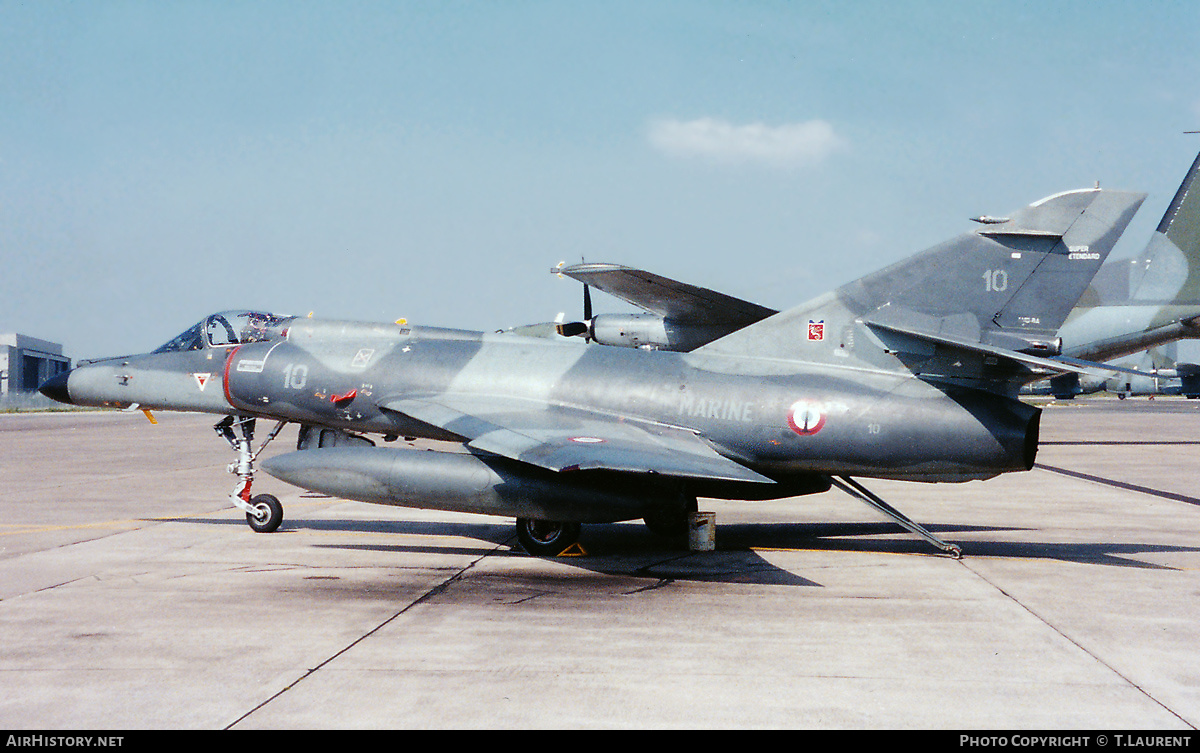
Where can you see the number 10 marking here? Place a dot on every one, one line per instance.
(295, 376)
(995, 280)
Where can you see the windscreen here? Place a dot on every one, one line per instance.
(191, 339)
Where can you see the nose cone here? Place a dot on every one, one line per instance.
(55, 388)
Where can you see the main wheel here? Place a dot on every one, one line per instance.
(671, 522)
(267, 515)
(546, 538)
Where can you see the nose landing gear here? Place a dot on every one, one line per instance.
(264, 513)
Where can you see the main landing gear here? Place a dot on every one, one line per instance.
(671, 521)
(858, 491)
(264, 513)
(550, 538)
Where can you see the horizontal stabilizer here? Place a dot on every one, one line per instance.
(1096, 369)
(1057, 364)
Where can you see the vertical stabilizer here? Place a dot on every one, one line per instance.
(1163, 300)
(1169, 269)
(1009, 284)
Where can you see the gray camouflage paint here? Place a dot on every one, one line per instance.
(910, 373)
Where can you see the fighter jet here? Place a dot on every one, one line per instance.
(909, 373)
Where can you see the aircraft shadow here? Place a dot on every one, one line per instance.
(857, 537)
(630, 550)
(1090, 553)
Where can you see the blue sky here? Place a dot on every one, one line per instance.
(376, 160)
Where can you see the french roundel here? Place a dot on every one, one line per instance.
(806, 418)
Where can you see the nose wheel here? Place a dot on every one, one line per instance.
(267, 514)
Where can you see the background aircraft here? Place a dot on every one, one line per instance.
(1152, 372)
(1162, 375)
(908, 373)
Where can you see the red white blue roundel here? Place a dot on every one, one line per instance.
(806, 417)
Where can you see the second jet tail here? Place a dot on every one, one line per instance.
(1151, 301)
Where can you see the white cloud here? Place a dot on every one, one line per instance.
(788, 145)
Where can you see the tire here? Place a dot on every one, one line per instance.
(271, 514)
(546, 538)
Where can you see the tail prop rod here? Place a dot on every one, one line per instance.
(857, 490)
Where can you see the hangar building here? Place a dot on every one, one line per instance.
(26, 362)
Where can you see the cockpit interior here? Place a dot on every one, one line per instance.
(228, 328)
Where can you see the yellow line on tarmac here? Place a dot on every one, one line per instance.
(22, 528)
(849, 551)
(42, 529)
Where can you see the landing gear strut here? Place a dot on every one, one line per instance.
(671, 521)
(857, 490)
(264, 514)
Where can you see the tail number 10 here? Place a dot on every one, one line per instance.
(995, 280)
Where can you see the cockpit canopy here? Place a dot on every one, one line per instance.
(228, 328)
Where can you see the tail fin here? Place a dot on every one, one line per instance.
(1169, 268)
(1161, 300)
(1163, 356)
(1009, 284)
